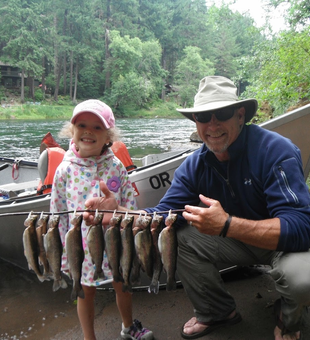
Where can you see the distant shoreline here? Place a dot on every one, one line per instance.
(47, 111)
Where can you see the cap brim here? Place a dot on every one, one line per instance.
(249, 104)
(104, 122)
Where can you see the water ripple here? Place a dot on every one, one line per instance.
(21, 138)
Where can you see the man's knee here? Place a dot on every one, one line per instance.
(292, 273)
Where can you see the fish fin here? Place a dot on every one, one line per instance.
(171, 286)
(154, 288)
(99, 275)
(118, 278)
(41, 278)
(56, 285)
(77, 293)
(48, 275)
(135, 279)
(73, 295)
(126, 288)
(81, 294)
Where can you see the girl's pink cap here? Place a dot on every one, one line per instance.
(97, 107)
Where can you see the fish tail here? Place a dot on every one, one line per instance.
(41, 277)
(48, 275)
(73, 295)
(77, 291)
(171, 286)
(154, 287)
(80, 292)
(101, 275)
(135, 279)
(126, 288)
(56, 285)
(98, 275)
(118, 278)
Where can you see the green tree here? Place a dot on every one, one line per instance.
(284, 69)
(189, 71)
(21, 29)
(136, 74)
(70, 46)
(233, 37)
(175, 24)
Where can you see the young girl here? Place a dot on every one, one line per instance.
(88, 161)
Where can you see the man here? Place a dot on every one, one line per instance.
(246, 202)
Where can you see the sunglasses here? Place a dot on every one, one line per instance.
(221, 115)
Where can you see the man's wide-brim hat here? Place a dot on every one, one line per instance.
(216, 92)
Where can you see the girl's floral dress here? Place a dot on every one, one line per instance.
(76, 180)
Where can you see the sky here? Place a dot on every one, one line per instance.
(255, 8)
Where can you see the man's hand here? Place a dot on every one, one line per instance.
(208, 220)
(107, 202)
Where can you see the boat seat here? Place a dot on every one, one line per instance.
(17, 187)
(42, 165)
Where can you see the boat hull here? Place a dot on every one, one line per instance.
(17, 171)
(12, 227)
(148, 188)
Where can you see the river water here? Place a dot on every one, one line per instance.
(22, 138)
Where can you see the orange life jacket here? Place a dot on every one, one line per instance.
(120, 151)
(54, 157)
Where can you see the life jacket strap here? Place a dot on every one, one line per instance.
(44, 187)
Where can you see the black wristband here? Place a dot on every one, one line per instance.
(226, 226)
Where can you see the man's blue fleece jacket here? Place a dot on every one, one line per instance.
(263, 179)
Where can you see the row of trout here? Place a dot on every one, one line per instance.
(147, 244)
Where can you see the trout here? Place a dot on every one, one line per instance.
(167, 244)
(31, 247)
(75, 254)
(41, 230)
(53, 249)
(113, 246)
(144, 246)
(95, 241)
(156, 228)
(135, 269)
(127, 251)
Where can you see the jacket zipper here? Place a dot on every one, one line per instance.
(226, 180)
(287, 186)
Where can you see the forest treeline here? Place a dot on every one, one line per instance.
(137, 52)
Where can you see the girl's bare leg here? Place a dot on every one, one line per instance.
(86, 312)
(124, 304)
